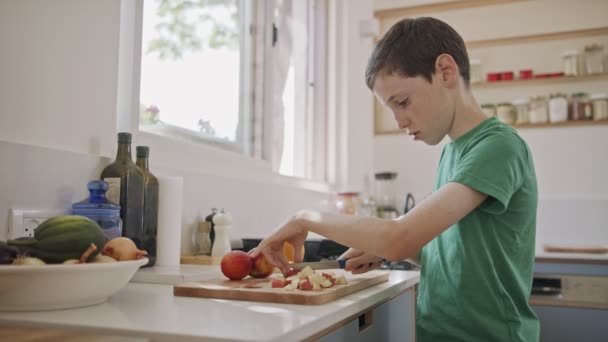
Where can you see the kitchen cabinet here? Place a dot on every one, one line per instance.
(570, 298)
(391, 321)
(561, 324)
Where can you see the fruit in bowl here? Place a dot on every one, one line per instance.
(236, 265)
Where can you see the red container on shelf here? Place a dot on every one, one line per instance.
(525, 74)
(493, 76)
(507, 75)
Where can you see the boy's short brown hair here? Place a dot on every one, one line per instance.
(411, 47)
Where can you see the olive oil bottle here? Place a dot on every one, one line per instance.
(150, 204)
(126, 181)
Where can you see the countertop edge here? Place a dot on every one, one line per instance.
(349, 306)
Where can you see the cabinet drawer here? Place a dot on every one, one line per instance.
(391, 321)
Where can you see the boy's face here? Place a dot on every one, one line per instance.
(424, 109)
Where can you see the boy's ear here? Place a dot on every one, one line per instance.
(447, 70)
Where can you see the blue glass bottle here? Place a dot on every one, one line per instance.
(101, 210)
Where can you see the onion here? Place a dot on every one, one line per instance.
(22, 260)
(122, 249)
(102, 259)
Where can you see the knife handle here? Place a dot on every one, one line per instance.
(342, 262)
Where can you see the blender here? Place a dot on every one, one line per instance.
(385, 195)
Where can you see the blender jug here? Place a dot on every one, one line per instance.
(385, 195)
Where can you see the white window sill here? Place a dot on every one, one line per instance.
(186, 157)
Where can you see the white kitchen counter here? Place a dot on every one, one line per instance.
(151, 310)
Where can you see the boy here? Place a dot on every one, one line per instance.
(474, 235)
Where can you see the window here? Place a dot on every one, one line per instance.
(191, 84)
(243, 75)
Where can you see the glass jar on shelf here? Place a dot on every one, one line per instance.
(506, 113)
(581, 107)
(489, 109)
(476, 72)
(522, 112)
(594, 58)
(558, 108)
(570, 62)
(539, 112)
(600, 106)
(347, 203)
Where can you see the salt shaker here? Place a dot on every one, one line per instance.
(222, 223)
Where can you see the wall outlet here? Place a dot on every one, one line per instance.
(23, 222)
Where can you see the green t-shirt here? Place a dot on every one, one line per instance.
(476, 276)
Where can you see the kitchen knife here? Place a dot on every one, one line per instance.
(320, 265)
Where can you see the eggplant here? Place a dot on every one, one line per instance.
(7, 253)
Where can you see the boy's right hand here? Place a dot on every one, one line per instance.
(360, 262)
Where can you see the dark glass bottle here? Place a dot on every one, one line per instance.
(150, 204)
(126, 182)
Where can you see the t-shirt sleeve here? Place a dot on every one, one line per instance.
(495, 166)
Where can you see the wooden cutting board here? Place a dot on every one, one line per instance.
(575, 249)
(259, 290)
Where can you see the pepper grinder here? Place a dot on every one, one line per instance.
(222, 223)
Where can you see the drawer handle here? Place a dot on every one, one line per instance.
(366, 320)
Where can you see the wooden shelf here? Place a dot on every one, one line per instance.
(565, 124)
(540, 81)
(406, 11)
(541, 37)
(526, 126)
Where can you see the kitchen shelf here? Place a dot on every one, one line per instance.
(407, 11)
(540, 81)
(565, 124)
(541, 37)
(526, 126)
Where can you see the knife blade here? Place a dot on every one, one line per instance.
(320, 265)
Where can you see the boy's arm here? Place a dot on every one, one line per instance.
(404, 237)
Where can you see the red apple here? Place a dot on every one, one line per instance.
(330, 277)
(305, 284)
(261, 267)
(292, 272)
(236, 265)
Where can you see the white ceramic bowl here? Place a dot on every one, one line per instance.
(50, 287)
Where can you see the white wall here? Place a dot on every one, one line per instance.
(58, 69)
(351, 99)
(571, 162)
